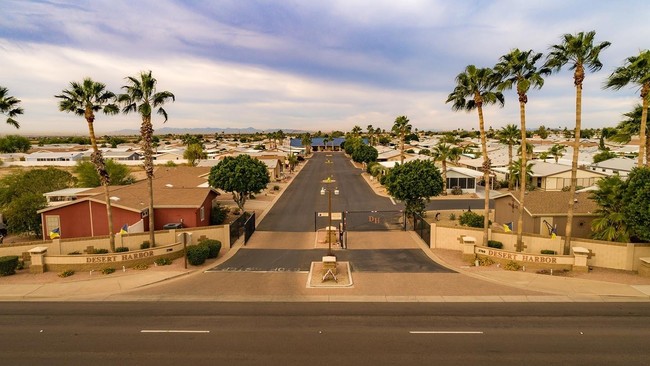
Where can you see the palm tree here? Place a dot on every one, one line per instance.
(515, 170)
(9, 106)
(517, 69)
(509, 135)
(580, 52)
(610, 224)
(305, 140)
(557, 151)
(142, 97)
(401, 128)
(637, 71)
(479, 85)
(443, 152)
(84, 99)
(371, 134)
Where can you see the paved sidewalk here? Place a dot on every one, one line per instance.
(471, 284)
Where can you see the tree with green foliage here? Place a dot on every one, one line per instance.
(610, 225)
(516, 172)
(401, 128)
(87, 176)
(636, 71)
(443, 152)
(579, 52)
(414, 183)
(305, 141)
(604, 155)
(476, 87)
(292, 159)
(542, 132)
(13, 143)
(557, 151)
(356, 131)
(365, 154)
(10, 107)
(635, 203)
(21, 196)
(142, 96)
(509, 135)
(241, 176)
(606, 133)
(194, 153)
(84, 99)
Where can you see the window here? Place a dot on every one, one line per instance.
(202, 213)
(52, 222)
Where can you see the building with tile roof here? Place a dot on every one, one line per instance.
(543, 208)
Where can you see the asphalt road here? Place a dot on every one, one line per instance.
(377, 260)
(324, 334)
(294, 211)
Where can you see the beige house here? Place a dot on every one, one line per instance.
(554, 177)
(546, 210)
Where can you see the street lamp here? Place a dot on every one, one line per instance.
(329, 215)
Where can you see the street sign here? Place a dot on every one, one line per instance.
(335, 215)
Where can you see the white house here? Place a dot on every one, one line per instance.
(614, 166)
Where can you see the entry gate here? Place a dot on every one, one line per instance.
(374, 220)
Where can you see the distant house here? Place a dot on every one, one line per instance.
(615, 166)
(54, 156)
(274, 167)
(122, 155)
(554, 177)
(463, 178)
(318, 143)
(61, 196)
(545, 210)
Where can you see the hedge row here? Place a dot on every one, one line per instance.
(207, 248)
(8, 265)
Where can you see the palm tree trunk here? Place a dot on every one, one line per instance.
(486, 174)
(401, 149)
(642, 129)
(103, 178)
(511, 180)
(147, 135)
(522, 177)
(444, 177)
(574, 170)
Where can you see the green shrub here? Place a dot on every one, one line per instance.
(108, 270)
(76, 252)
(100, 251)
(8, 265)
(213, 245)
(548, 251)
(218, 214)
(456, 191)
(66, 273)
(141, 266)
(21, 265)
(452, 217)
(512, 266)
(485, 261)
(197, 254)
(121, 249)
(145, 244)
(276, 188)
(471, 219)
(163, 261)
(495, 244)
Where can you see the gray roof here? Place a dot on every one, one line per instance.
(619, 164)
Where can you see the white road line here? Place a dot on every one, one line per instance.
(172, 331)
(443, 332)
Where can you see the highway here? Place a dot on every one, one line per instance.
(206, 333)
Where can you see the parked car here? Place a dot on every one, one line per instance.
(173, 225)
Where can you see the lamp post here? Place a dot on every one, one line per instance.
(329, 216)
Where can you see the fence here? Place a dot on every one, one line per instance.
(243, 225)
(423, 229)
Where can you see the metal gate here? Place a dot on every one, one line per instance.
(244, 224)
(374, 220)
(423, 229)
(249, 228)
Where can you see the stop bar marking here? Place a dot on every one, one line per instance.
(443, 332)
(173, 331)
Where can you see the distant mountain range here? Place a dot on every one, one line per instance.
(203, 130)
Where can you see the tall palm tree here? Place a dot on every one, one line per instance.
(142, 97)
(84, 99)
(443, 152)
(509, 135)
(9, 106)
(557, 151)
(305, 140)
(476, 87)
(401, 128)
(371, 134)
(610, 224)
(637, 71)
(580, 52)
(517, 69)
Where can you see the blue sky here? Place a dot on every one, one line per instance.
(312, 65)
